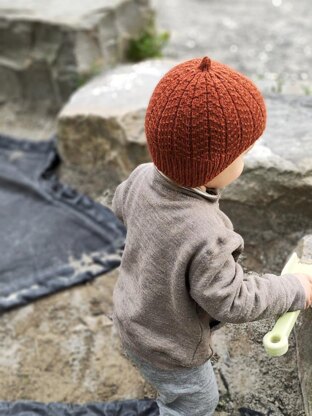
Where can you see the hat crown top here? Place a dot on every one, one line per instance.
(205, 64)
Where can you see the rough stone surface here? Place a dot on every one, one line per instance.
(247, 377)
(303, 332)
(101, 129)
(64, 348)
(20, 124)
(47, 49)
(304, 353)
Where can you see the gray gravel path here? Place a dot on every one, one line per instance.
(266, 39)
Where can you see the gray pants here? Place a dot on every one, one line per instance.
(182, 392)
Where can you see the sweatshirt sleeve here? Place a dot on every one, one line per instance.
(117, 201)
(220, 286)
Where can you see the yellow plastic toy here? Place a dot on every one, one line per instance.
(276, 341)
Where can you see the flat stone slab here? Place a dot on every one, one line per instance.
(117, 91)
(101, 128)
(49, 49)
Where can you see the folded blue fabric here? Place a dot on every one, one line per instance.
(52, 236)
(133, 407)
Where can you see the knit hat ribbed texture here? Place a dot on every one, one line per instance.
(201, 116)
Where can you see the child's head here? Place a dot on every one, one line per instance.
(201, 119)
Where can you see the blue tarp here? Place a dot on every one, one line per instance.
(52, 236)
(144, 407)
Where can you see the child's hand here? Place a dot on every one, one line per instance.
(306, 281)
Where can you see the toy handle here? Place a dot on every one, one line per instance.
(276, 341)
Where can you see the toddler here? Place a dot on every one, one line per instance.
(179, 277)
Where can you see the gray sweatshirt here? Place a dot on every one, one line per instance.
(179, 278)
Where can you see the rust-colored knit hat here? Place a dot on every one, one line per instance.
(201, 116)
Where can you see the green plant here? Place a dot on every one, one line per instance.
(278, 88)
(307, 90)
(147, 45)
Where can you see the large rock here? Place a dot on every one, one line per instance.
(48, 48)
(101, 129)
(14, 121)
(304, 355)
(303, 332)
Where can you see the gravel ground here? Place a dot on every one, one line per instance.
(265, 39)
